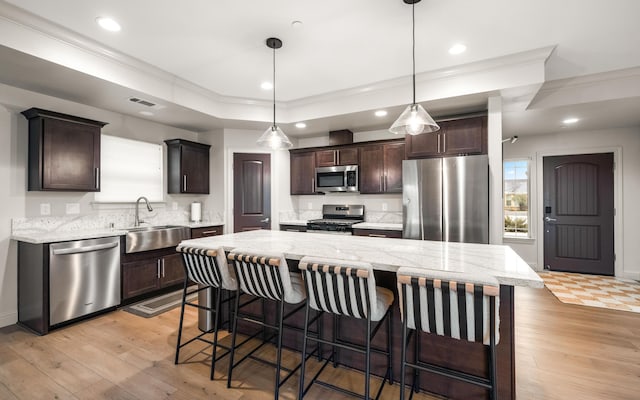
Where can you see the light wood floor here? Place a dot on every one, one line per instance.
(563, 352)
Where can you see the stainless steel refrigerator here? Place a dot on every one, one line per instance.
(446, 199)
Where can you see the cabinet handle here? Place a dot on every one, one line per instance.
(98, 178)
(184, 183)
(163, 267)
(293, 230)
(313, 185)
(209, 232)
(336, 157)
(438, 143)
(444, 143)
(381, 183)
(377, 235)
(158, 268)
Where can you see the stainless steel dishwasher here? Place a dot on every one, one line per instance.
(84, 277)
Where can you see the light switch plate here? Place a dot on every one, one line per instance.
(310, 205)
(174, 205)
(45, 209)
(384, 207)
(73, 208)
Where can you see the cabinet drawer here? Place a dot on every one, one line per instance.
(293, 228)
(206, 231)
(378, 233)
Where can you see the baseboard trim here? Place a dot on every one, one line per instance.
(631, 275)
(8, 319)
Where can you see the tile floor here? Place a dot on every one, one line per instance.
(594, 290)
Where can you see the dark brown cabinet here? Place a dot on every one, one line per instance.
(206, 231)
(381, 167)
(293, 228)
(64, 152)
(383, 233)
(456, 137)
(151, 271)
(188, 167)
(329, 158)
(303, 170)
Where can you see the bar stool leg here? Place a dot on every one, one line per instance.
(368, 357)
(215, 330)
(334, 350)
(403, 353)
(233, 337)
(304, 351)
(280, 315)
(389, 347)
(416, 371)
(184, 299)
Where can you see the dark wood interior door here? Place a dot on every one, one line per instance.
(251, 191)
(578, 213)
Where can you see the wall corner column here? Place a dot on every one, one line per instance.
(494, 133)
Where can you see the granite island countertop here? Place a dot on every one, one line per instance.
(385, 254)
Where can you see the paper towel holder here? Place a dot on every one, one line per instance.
(196, 211)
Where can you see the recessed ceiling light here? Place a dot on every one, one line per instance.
(296, 24)
(301, 125)
(381, 113)
(266, 85)
(571, 120)
(457, 48)
(108, 23)
(147, 113)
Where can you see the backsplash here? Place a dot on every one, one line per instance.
(387, 217)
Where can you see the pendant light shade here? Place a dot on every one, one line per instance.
(273, 137)
(414, 120)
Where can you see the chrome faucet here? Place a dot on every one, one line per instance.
(137, 221)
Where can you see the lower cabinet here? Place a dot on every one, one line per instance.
(150, 271)
(378, 233)
(206, 231)
(293, 228)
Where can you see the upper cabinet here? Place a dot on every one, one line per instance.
(381, 167)
(64, 152)
(456, 137)
(187, 167)
(303, 170)
(329, 158)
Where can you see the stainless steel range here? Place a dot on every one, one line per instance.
(337, 218)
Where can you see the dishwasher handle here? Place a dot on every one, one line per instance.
(86, 249)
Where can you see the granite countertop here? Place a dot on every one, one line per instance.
(378, 225)
(37, 236)
(385, 254)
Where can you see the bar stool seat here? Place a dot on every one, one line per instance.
(345, 288)
(452, 304)
(265, 276)
(209, 269)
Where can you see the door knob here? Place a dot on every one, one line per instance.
(549, 219)
(265, 220)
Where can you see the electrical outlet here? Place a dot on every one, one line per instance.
(384, 207)
(45, 209)
(174, 205)
(310, 205)
(73, 208)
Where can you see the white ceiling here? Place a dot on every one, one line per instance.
(218, 47)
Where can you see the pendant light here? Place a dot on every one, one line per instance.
(414, 120)
(273, 137)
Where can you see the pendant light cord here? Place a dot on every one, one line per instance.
(274, 86)
(413, 49)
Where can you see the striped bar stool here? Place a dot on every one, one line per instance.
(346, 288)
(460, 306)
(209, 269)
(267, 277)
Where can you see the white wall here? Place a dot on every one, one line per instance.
(17, 202)
(627, 141)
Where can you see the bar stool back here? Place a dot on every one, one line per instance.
(460, 306)
(266, 276)
(347, 288)
(208, 269)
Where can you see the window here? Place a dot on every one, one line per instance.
(516, 198)
(129, 169)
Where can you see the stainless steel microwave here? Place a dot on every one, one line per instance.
(341, 178)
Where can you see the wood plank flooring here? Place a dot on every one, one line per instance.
(563, 351)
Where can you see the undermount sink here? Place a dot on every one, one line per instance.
(144, 238)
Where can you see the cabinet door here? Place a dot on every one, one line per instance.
(140, 277)
(70, 156)
(172, 270)
(206, 231)
(303, 170)
(348, 156)
(393, 156)
(463, 136)
(423, 145)
(371, 169)
(195, 170)
(326, 158)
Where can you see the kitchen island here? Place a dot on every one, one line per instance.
(387, 255)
